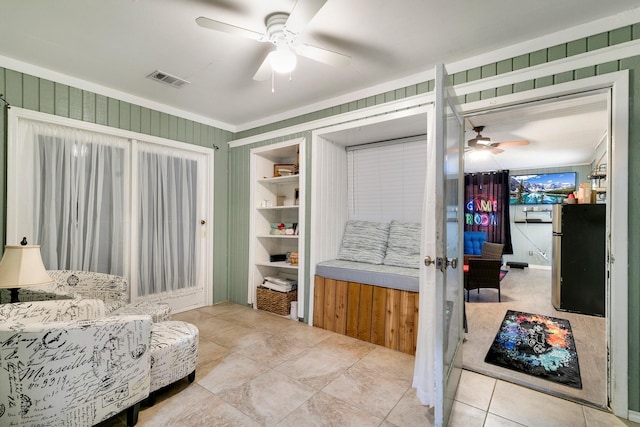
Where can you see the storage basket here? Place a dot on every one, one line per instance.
(274, 301)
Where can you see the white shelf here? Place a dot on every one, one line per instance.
(525, 209)
(279, 180)
(533, 215)
(279, 264)
(598, 185)
(261, 208)
(276, 200)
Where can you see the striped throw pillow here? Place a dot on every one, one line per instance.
(364, 241)
(403, 249)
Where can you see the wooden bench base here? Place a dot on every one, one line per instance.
(383, 316)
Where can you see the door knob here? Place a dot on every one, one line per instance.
(441, 263)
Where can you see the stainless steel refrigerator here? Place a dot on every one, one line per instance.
(579, 250)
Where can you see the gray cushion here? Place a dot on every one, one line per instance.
(403, 249)
(364, 241)
(388, 276)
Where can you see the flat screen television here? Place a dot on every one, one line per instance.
(541, 189)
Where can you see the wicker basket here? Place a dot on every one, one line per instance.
(274, 301)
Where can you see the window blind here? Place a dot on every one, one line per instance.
(386, 180)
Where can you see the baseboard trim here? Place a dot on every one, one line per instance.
(634, 416)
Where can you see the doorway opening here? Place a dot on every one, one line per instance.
(562, 135)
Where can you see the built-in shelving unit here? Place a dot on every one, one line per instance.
(277, 214)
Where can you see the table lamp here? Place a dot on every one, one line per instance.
(22, 266)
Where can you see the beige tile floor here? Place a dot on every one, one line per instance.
(258, 369)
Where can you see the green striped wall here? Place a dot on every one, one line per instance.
(33, 93)
(239, 173)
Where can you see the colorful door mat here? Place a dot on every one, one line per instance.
(536, 345)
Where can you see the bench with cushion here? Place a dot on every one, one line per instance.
(370, 291)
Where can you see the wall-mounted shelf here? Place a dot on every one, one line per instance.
(535, 209)
(599, 184)
(533, 215)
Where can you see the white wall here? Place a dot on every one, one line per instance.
(531, 241)
(329, 209)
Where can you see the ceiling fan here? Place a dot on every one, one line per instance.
(282, 30)
(480, 142)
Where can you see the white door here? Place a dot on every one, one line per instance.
(449, 281)
(441, 299)
(171, 211)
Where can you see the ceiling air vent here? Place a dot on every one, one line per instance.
(167, 79)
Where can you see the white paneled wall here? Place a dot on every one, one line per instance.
(329, 209)
(531, 241)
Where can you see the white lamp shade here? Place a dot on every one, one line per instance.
(283, 60)
(22, 266)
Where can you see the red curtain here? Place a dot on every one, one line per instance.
(487, 206)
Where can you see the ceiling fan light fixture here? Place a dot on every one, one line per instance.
(283, 60)
(479, 139)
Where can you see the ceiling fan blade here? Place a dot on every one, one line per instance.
(511, 143)
(302, 13)
(322, 55)
(496, 150)
(229, 29)
(264, 71)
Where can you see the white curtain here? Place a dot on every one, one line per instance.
(78, 196)
(424, 370)
(167, 206)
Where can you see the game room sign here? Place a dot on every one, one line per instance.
(481, 211)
